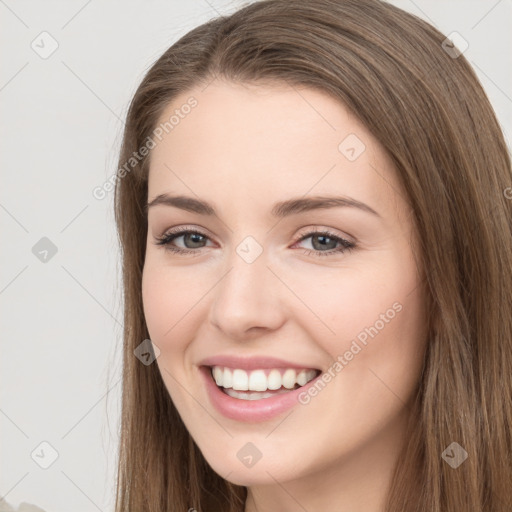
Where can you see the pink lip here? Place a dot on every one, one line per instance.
(251, 363)
(250, 411)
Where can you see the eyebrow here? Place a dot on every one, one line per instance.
(280, 210)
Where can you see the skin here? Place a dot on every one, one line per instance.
(243, 148)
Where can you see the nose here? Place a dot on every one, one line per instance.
(248, 300)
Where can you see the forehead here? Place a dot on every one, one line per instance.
(252, 143)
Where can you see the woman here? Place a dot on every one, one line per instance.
(375, 378)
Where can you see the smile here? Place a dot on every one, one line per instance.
(261, 383)
(255, 395)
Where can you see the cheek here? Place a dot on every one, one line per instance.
(376, 350)
(157, 302)
(168, 305)
(346, 300)
(174, 303)
(168, 310)
(373, 314)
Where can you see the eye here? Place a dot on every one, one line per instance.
(195, 239)
(323, 239)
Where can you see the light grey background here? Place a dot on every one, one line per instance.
(60, 133)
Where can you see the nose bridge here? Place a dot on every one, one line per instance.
(245, 297)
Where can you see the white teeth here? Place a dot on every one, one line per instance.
(289, 378)
(302, 378)
(240, 380)
(274, 380)
(217, 375)
(227, 378)
(258, 380)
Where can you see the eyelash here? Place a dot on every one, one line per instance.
(170, 236)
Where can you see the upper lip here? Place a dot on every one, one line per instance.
(252, 363)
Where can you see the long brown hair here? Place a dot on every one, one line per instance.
(426, 107)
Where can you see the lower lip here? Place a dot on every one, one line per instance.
(250, 411)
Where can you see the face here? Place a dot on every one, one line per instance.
(268, 287)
